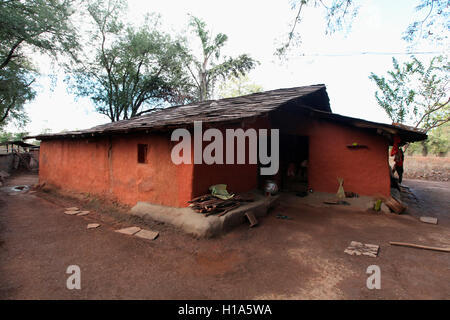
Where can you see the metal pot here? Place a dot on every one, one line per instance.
(270, 186)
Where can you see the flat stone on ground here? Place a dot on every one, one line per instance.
(72, 209)
(431, 220)
(358, 248)
(93, 225)
(129, 231)
(147, 234)
(71, 212)
(83, 213)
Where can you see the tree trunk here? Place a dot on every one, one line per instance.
(424, 148)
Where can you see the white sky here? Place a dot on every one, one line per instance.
(253, 27)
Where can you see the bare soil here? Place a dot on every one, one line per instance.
(301, 258)
(429, 198)
(426, 168)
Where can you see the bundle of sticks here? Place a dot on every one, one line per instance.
(208, 204)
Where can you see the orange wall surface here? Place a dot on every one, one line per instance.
(365, 171)
(75, 165)
(85, 166)
(237, 177)
(109, 166)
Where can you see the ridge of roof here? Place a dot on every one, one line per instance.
(221, 110)
(313, 98)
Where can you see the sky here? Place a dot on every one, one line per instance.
(342, 61)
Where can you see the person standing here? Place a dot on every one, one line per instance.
(398, 166)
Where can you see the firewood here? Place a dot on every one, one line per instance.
(209, 205)
(200, 198)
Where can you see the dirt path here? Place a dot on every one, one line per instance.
(433, 199)
(301, 258)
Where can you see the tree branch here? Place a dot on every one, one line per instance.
(8, 109)
(10, 54)
(430, 111)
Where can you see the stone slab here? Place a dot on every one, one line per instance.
(71, 213)
(93, 225)
(147, 234)
(431, 220)
(129, 231)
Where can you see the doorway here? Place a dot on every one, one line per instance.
(294, 157)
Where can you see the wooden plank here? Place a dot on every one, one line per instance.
(251, 218)
(419, 246)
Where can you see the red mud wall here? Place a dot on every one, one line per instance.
(89, 166)
(365, 171)
(109, 166)
(75, 165)
(237, 177)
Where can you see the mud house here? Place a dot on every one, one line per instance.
(130, 160)
(18, 155)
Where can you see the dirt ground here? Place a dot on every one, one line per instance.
(301, 258)
(426, 168)
(430, 198)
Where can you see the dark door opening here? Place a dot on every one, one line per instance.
(294, 156)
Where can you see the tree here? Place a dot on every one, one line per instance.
(435, 24)
(15, 90)
(415, 94)
(29, 26)
(339, 14)
(209, 68)
(42, 25)
(9, 136)
(238, 86)
(129, 71)
(438, 142)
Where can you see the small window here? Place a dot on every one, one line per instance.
(142, 153)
